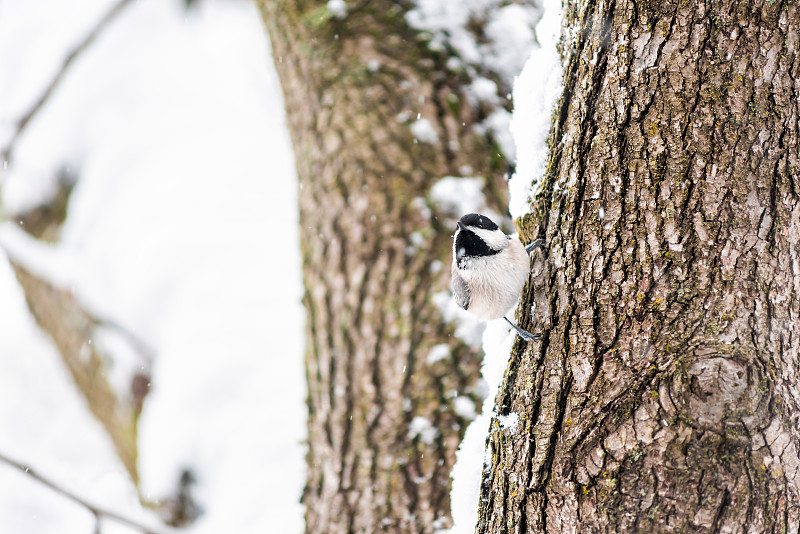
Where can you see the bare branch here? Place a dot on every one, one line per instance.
(142, 348)
(97, 511)
(83, 45)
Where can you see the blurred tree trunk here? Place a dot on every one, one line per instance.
(383, 430)
(664, 396)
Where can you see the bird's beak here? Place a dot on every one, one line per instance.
(460, 226)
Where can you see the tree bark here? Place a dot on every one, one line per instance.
(664, 394)
(383, 430)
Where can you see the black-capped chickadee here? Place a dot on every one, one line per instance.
(489, 269)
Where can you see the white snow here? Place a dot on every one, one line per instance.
(511, 37)
(497, 343)
(499, 123)
(465, 407)
(423, 131)
(536, 92)
(509, 422)
(417, 239)
(447, 21)
(183, 228)
(508, 35)
(484, 89)
(459, 195)
(507, 41)
(338, 8)
(421, 426)
(468, 328)
(438, 352)
(53, 263)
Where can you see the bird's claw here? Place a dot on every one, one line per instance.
(538, 243)
(524, 334)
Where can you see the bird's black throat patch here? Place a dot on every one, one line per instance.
(469, 245)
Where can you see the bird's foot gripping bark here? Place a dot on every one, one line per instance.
(538, 243)
(524, 334)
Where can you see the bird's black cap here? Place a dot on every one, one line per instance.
(478, 221)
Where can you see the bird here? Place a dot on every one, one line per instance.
(489, 269)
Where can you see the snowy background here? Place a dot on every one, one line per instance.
(182, 228)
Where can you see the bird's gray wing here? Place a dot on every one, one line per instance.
(460, 290)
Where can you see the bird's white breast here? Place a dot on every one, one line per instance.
(496, 282)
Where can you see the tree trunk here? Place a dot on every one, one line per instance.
(383, 429)
(664, 395)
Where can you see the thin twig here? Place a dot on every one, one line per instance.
(83, 45)
(144, 350)
(95, 510)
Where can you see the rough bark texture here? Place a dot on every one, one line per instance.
(382, 426)
(664, 396)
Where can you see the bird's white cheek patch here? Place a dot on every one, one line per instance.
(496, 239)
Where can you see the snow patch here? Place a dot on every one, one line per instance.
(501, 49)
(438, 352)
(469, 328)
(536, 93)
(472, 454)
(447, 21)
(337, 8)
(508, 34)
(465, 407)
(509, 423)
(423, 131)
(457, 195)
(499, 123)
(484, 89)
(51, 262)
(422, 427)
(511, 37)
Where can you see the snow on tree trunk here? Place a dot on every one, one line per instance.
(664, 396)
(376, 118)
